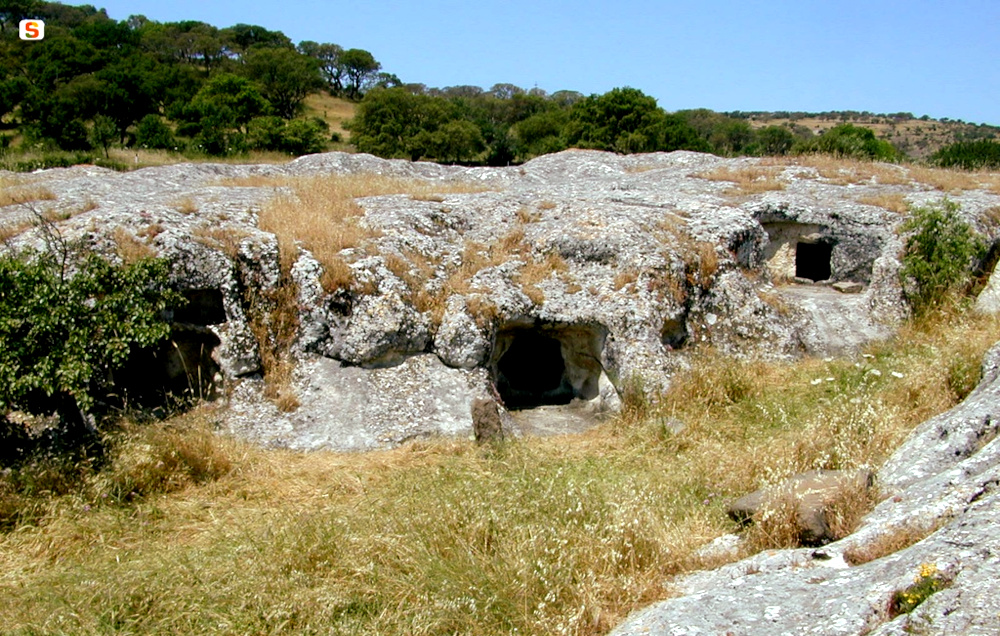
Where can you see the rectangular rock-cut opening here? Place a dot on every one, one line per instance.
(812, 260)
(547, 364)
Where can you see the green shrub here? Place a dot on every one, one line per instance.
(970, 155)
(153, 133)
(850, 141)
(64, 327)
(940, 250)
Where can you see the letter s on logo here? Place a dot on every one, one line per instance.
(31, 29)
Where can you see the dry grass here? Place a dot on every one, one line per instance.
(274, 321)
(624, 278)
(841, 171)
(947, 180)
(749, 180)
(537, 536)
(227, 240)
(186, 206)
(130, 249)
(524, 215)
(10, 229)
(890, 542)
(14, 191)
(778, 526)
(322, 214)
(333, 110)
(892, 201)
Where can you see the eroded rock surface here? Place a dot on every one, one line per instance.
(577, 273)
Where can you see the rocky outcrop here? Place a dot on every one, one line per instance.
(942, 489)
(552, 283)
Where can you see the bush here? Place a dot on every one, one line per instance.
(940, 251)
(970, 155)
(153, 133)
(63, 331)
(855, 142)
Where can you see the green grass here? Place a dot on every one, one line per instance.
(183, 531)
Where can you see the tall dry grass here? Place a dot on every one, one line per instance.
(748, 180)
(537, 536)
(322, 213)
(19, 190)
(844, 171)
(892, 201)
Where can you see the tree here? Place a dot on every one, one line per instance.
(969, 155)
(327, 56)
(457, 141)
(626, 120)
(359, 65)
(220, 112)
(389, 122)
(62, 334)
(285, 77)
(774, 140)
(13, 11)
(539, 134)
(505, 91)
(239, 39)
(103, 133)
(153, 133)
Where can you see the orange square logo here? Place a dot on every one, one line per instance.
(31, 29)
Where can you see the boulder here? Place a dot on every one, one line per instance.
(809, 495)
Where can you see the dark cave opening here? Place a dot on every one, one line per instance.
(531, 372)
(176, 371)
(812, 260)
(203, 307)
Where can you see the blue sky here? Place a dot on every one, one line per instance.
(937, 58)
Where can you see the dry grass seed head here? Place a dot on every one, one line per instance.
(748, 180)
(625, 277)
(226, 240)
(323, 215)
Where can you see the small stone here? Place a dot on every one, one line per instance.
(848, 287)
(486, 423)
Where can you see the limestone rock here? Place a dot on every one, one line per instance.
(623, 262)
(351, 408)
(460, 341)
(988, 301)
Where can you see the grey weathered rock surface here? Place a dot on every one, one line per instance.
(654, 258)
(945, 476)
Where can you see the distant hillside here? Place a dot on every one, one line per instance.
(916, 137)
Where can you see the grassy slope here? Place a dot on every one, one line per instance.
(186, 532)
(917, 138)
